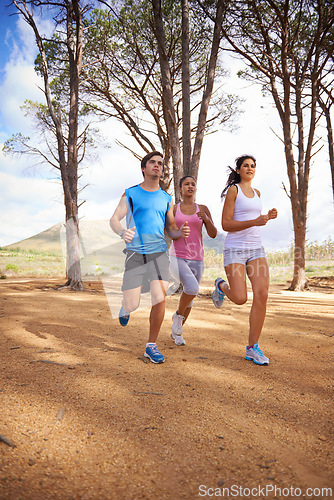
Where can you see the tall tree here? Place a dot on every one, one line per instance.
(61, 115)
(325, 101)
(282, 43)
(326, 105)
(190, 161)
(154, 72)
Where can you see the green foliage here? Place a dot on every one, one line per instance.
(16, 144)
(12, 267)
(122, 69)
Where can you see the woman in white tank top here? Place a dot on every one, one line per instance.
(243, 253)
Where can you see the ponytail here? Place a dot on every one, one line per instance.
(233, 178)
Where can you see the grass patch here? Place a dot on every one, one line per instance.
(30, 263)
(42, 263)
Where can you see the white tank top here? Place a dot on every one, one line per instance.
(245, 209)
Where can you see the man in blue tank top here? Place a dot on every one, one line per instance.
(149, 212)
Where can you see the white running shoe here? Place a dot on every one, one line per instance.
(178, 339)
(177, 323)
(255, 354)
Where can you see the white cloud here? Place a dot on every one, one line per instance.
(28, 206)
(20, 81)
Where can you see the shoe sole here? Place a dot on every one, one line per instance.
(215, 302)
(123, 324)
(184, 343)
(152, 360)
(256, 362)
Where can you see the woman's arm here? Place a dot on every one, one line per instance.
(205, 215)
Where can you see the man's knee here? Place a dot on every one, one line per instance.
(158, 302)
(130, 304)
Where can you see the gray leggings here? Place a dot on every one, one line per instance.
(188, 272)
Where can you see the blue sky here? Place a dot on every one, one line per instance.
(31, 197)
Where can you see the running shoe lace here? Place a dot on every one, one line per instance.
(257, 348)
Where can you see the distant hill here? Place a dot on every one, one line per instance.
(48, 241)
(93, 234)
(216, 244)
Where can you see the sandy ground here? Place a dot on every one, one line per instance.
(84, 417)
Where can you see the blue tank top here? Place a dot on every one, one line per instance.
(147, 211)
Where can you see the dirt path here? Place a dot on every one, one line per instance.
(88, 419)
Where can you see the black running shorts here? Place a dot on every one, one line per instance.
(141, 269)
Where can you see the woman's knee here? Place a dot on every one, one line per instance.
(238, 294)
(239, 300)
(261, 295)
(191, 289)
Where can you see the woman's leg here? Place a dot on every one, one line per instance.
(258, 274)
(236, 288)
(182, 270)
(184, 305)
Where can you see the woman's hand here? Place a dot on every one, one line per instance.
(272, 214)
(261, 220)
(202, 215)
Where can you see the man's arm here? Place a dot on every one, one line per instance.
(171, 228)
(115, 224)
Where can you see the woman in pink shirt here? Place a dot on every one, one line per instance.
(187, 254)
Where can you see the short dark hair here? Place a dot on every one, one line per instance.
(184, 178)
(148, 157)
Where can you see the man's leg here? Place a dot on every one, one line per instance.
(132, 284)
(158, 294)
(131, 299)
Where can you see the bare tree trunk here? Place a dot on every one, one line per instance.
(69, 168)
(167, 96)
(74, 48)
(186, 125)
(326, 110)
(202, 118)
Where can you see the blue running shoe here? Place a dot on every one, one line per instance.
(152, 352)
(217, 295)
(123, 317)
(255, 354)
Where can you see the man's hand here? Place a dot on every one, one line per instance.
(129, 234)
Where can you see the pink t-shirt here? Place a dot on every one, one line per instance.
(192, 247)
